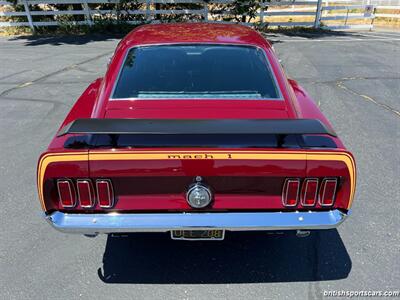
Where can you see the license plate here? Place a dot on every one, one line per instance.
(198, 235)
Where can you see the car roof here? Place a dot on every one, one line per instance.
(194, 33)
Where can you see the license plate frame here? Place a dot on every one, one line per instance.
(198, 235)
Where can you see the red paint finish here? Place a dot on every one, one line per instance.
(196, 109)
(160, 185)
(62, 170)
(156, 185)
(322, 169)
(194, 32)
(195, 167)
(82, 108)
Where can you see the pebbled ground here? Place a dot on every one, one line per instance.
(354, 78)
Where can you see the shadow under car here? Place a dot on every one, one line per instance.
(243, 257)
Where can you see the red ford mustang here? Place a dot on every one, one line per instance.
(195, 130)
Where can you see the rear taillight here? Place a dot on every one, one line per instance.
(85, 193)
(66, 193)
(327, 192)
(309, 192)
(290, 193)
(105, 193)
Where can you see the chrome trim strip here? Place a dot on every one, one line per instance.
(163, 222)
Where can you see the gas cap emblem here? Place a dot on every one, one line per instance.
(198, 195)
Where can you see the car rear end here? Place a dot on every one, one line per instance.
(259, 179)
(195, 138)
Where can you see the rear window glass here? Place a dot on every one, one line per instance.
(197, 72)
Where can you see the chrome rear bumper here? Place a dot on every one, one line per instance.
(162, 222)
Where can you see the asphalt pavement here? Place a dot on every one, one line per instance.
(354, 78)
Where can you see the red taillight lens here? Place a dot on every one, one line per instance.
(85, 193)
(290, 193)
(66, 193)
(309, 192)
(105, 193)
(327, 192)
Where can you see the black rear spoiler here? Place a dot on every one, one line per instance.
(196, 127)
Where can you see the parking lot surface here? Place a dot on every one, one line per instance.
(354, 78)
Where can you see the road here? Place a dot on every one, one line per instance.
(354, 78)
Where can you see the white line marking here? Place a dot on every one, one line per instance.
(396, 34)
(378, 36)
